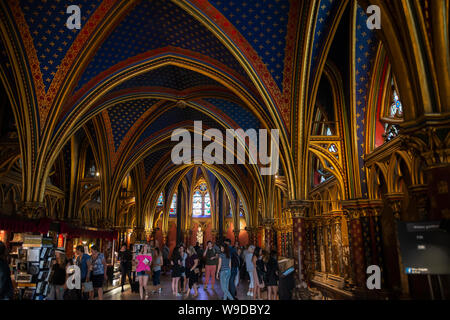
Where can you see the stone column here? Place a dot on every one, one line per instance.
(187, 237)
(236, 235)
(164, 238)
(252, 234)
(299, 211)
(357, 262)
(337, 244)
(214, 234)
(220, 213)
(268, 234)
(284, 248)
(179, 214)
(395, 201)
(328, 246)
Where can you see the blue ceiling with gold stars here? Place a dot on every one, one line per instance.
(325, 16)
(122, 117)
(365, 52)
(170, 77)
(264, 24)
(47, 23)
(152, 159)
(177, 115)
(152, 25)
(243, 117)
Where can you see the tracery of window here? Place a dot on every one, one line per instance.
(201, 202)
(160, 200)
(393, 115)
(320, 174)
(173, 206)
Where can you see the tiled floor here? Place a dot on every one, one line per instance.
(166, 294)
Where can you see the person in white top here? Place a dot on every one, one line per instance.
(249, 266)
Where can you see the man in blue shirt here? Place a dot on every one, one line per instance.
(83, 261)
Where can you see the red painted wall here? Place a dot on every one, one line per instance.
(172, 237)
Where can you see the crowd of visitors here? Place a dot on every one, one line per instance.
(231, 265)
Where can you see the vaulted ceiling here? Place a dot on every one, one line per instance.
(138, 69)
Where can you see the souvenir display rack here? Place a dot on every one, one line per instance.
(32, 265)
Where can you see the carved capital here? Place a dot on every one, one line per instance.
(268, 223)
(395, 201)
(33, 210)
(299, 208)
(138, 234)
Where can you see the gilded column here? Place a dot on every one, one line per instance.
(299, 212)
(268, 234)
(356, 247)
(337, 245)
(252, 234)
(236, 235)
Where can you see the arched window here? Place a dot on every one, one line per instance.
(201, 202)
(160, 200)
(197, 204)
(393, 114)
(173, 206)
(207, 206)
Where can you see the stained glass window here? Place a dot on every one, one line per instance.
(393, 115)
(207, 208)
(173, 206)
(197, 204)
(396, 110)
(201, 203)
(160, 200)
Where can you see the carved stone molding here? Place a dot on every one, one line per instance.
(429, 143)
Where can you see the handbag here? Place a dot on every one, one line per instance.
(88, 287)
